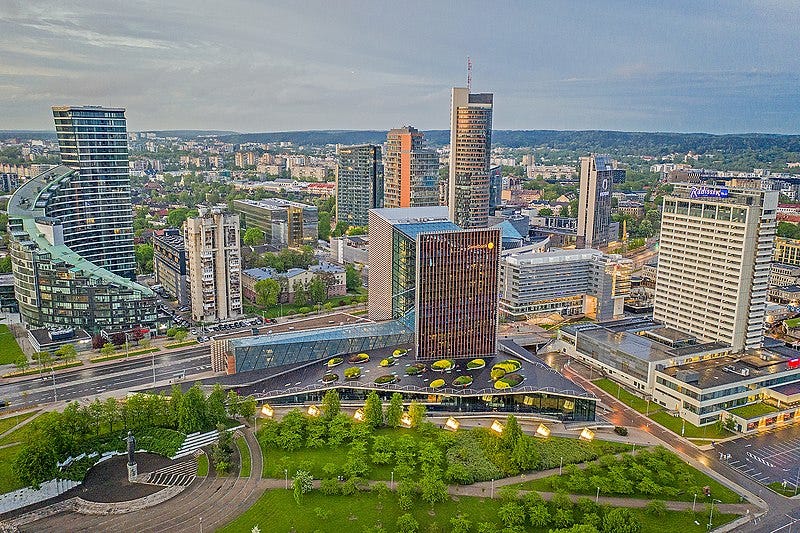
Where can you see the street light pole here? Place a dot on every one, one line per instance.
(694, 502)
(53, 375)
(154, 369)
(711, 514)
(492, 493)
(286, 473)
(597, 498)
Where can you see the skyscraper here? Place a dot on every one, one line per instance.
(95, 207)
(411, 173)
(594, 201)
(470, 151)
(713, 265)
(214, 257)
(359, 183)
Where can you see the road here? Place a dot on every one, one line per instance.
(92, 381)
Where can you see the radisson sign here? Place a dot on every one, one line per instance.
(705, 192)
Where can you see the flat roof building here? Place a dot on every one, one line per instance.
(284, 223)
(411, 172)
(170, 264)
(594, 201)
(359, 182)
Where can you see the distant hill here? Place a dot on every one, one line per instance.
(190, 134)
(27, 134)
(587, 141)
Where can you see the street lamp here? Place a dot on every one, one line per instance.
(711, 514)
(286, 473)
(53, 375)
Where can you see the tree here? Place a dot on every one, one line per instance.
(253, 237)
(373, 410)
(416, 411)
(433, 489)
(300, 293)
(43, 358)
(512, 433)
(191, 413)
(67, 352)
(406, 523)
(215, 406)
(22, 363)
(107, 349)
(180, 335)
(460, 524)
(331, 405)
(353, 278)
(317, 290)
(222, 451)
(302, 484)
(340, 229)
(512, 514)
(144, 258)
(324, 225)
(621, 520)
(267, 292)
(247, 407)
(656, 508)
(394, 412)
(177, 217)
(545, 212)
(36, 463)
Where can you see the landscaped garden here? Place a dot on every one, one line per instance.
(352, 373)
(437, 383)
(389, 361)
(476, 364)
(334, 361)
(330, 377)
(462, 381)
(385, 379)
(754, 410)
(415, 369)
(649, 474)
(443, 365)
(358, 358)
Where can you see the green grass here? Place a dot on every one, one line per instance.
(37, 370)
(16, 435)
(244, 457)
(122, 355)
(631, 400)
(202, 465)
(677, 470)
(277, 510)
(792, 323)
(675, 424)
(754, 410)
(9, 481)
(11, 421)
(181, 344)
(789, 491)
(294, 309)
(10, 351)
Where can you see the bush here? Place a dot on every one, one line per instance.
(497, 373)
(330, 377)
(462, 381)
(334, 361)
(509, 365)
(416, 368)
(385, 379)
(389, 361)
(508, 381)
(476, 364)
(436, 383)
(330, 487)
(359, 358)
(352, 373)
(620, 430)
(399, 352)
(656, 508)
(443, 365)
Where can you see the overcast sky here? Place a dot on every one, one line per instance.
(264, 65)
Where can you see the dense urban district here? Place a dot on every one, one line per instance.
(459, 330)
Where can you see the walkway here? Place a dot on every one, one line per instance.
(210, 501)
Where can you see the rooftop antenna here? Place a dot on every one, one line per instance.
(469, 74)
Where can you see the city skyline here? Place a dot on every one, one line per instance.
(679, 67)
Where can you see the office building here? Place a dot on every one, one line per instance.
(94, 207)
(786, 251)
(212, 245)
(567, 282)
(284, 223)
(170, 264)
(495, 188)
(456, 293)
(470, 155)
(714, 263)
(359, 183)
(594, 202)
(392, 256)
(56, 286)
(9, 181)
(411, 173)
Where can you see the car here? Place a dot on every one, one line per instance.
(4, 404)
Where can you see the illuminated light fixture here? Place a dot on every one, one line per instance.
(313, 410)
(587, 434)
(543, 430)
(497, 427)
(405, 420)
(267, 410)
(452, 424)
(359, 415)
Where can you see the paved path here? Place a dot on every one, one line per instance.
(211, 500)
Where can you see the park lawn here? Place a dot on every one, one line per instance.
(16, 435)
(202, 465)
(180, 344)
(777, 486)
(244, 457)
(8, 480)
(631, 400)
(11, 421)
(277, 510)
(753, 410)
(674, 424)
(10, 351)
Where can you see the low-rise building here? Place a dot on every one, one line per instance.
(50, 340)
(350, 249)
(781, 275)
(333, 276)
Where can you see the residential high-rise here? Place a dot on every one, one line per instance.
(95, 206)
(284, 223)
(594, 201)
(359, 183)
(713, 264)
(56, 286)
(411, 173)
(470, 152)
(215, 283)
(456, 293)
(169, 264)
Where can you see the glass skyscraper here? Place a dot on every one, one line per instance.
(94, 207)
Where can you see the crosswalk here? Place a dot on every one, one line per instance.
(179, 474)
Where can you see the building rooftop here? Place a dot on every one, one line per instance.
(261, 274)
(732, 369)
(274, 203)
(414, 229)
(412, 214)
(326, 267)
(554, 256)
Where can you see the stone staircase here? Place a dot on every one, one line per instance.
(180, 474)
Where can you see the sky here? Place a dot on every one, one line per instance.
(725, 66)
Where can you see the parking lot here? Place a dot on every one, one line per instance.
(768, 457)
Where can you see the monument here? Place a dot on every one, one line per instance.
(131, 462)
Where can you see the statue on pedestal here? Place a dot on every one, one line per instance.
(132, 471)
